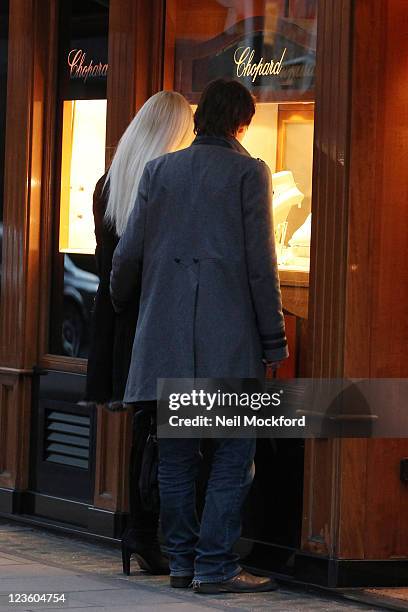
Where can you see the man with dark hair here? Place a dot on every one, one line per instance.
(210, 307)
(226, 109)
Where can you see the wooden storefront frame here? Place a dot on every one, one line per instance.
(347, 303)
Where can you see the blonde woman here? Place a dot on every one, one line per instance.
(163, 124)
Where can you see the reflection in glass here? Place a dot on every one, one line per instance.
(80, 286)
(269, 46)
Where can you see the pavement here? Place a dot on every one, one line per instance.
(89, 574)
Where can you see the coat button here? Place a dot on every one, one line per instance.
(177, 259)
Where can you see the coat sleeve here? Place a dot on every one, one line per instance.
(126, 272)
(261, 261)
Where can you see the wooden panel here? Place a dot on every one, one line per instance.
(295, 300)
(122, 70)
(365, 181)
(359, 282)
(7, 387)
(353, 516)
(22, 185)
(112, 465)
(329, 197)
(27, 179)
(355, 510)
(48, 185)
(319, 496)
(135, 62)
(302, 9)
(21, 282)
(328, 260)
(61, 362)
(389, 337)
(170, 43)
(385, 533)
(15, 408)
(377, 280)
(401, 529)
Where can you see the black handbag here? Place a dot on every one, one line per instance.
(148, 481)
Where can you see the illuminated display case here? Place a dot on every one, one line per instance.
(269, 46)
(282, 135)
(82, 164)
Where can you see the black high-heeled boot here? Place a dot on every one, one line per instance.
(147, 552)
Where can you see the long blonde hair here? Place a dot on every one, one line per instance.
(163, 124)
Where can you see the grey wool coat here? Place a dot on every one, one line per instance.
(199, 246)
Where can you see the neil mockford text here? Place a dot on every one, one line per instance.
(220, 399)
(207, 401)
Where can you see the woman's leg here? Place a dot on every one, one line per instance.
(144, 524)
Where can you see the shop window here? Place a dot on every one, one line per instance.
(269, 46)
(83, 68)
(4, 11)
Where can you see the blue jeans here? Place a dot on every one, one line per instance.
(204, 551)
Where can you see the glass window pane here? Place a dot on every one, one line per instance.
(81, 143)
(269, 46)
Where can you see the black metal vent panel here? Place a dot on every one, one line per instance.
(63, 438)
(67, 439)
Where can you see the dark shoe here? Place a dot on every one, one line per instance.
(244, 582)
(148, 554)
(181, 582)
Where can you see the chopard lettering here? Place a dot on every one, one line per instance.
(79, 69)
(246, 67)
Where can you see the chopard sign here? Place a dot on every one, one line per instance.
(246, 67)
(80, 69)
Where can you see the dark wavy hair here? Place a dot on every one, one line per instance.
(225, 106)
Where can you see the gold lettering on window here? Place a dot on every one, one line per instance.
(246, 67)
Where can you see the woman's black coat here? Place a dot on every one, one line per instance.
(111, 334)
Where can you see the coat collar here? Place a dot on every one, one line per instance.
(219, 141)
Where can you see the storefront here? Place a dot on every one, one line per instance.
(330, 81)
